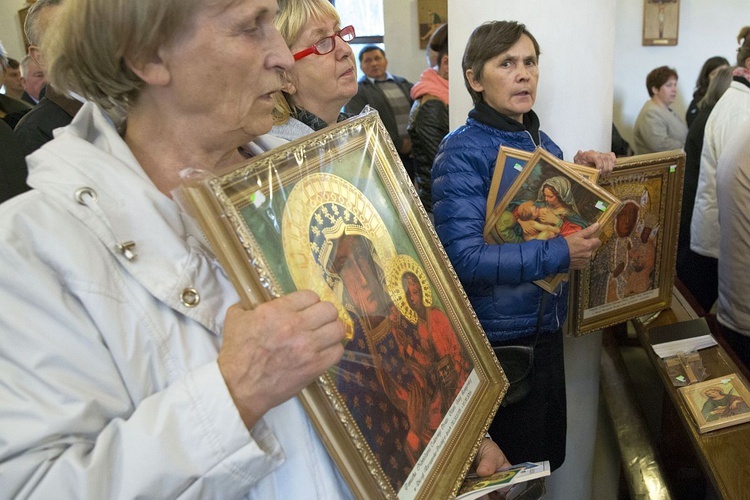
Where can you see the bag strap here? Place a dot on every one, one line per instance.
(542, 305)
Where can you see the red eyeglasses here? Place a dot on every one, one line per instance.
(327, 44)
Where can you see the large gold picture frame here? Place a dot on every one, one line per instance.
(578, 203)
(403, 413)
(632, 273)
(718, 403)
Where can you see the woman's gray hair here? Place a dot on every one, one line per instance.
(89, 47)
(31, 27)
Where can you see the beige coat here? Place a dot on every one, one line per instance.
(657, 129)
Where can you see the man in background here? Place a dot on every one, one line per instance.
(13, 86)
(12, 165)
(32, 80)
(390, 95)
(54, 110)
(11, 110)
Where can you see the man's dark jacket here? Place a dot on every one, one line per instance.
(13, 109)
(428, 125)
(370, 93)
(55, 110)
(26, 97)
(13, 171)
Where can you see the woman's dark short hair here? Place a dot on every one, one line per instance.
(658, 77)
(487, 41)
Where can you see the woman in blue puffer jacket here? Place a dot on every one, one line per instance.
(500, 72)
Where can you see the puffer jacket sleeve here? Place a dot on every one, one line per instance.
(461, 178)
(428, 125)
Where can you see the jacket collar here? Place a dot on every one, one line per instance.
(483, 113)
(314, 121)
(742, 80)
(69, 105)
(170, 251)
(388, 76)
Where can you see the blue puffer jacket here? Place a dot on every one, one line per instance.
(497, 278)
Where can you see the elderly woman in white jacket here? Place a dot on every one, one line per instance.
(127, 372)
(128, 368)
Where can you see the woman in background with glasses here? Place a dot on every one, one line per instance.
(323, 77)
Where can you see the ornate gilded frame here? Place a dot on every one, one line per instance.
(277, 224)
(594, 204)
(22, 12)
(722, 415)
(517, 158)
(603, 294)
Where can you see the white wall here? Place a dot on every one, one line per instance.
(10, 28)
(405, 58)
(707, 28)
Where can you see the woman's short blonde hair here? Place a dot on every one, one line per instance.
(291, 21)
(86, 49)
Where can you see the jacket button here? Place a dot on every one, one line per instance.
(190, 297)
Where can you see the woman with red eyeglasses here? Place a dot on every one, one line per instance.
(323, 77)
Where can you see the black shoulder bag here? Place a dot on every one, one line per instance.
(518, 363)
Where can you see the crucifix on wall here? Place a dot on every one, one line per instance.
(661, 22)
